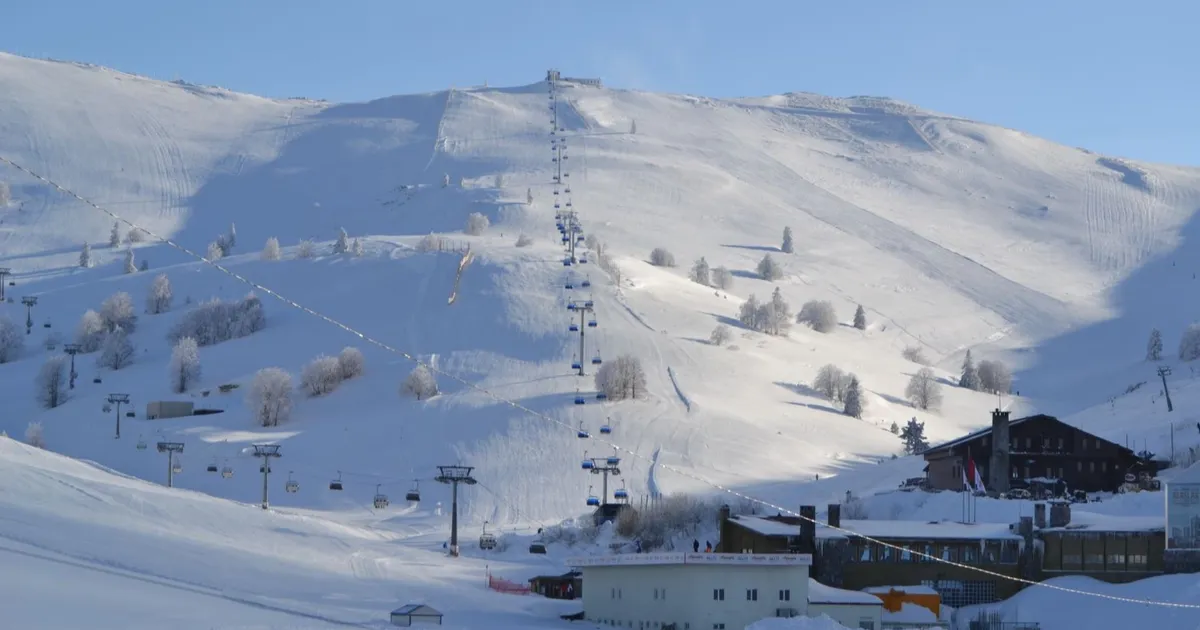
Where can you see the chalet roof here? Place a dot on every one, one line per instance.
(970, 437)
(1108, 523)
(681, 558)
(886, 530)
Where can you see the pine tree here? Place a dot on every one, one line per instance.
(860, 318)
(913, 436)
(895, 428)
(342, 245)
(446, 180)
(130, 267)
(632, 127)
(853, 401)
(788, 246)
(778, 316)
(700, 272)
(231, 238)
(356, 248)
(114, 237)
(1154, 347)
(768, 269)
(970, 377)
(85, 256)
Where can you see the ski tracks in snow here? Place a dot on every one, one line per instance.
(170, 170)
(652, 476)
(679, 392)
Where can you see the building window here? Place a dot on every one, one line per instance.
(1078, 466)
(718, 626)
(1137, 562)
(985, 440)
(1061, 444)
(1104, 466)
(785, 595)
(1060, 472)
(1091, 466)
(614, 593)
(866, 623)
(655, 593)
(719, 594)
(1028, 443)
(751, 594)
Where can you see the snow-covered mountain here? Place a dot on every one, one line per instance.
(952, 234)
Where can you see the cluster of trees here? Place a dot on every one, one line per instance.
(773, 317)
(223, 246)
(993, 377)
(622, 378)
(660, 257)
(344, 245)
(134, 235)
(720, 277)
(841, 387)
(12, 340)
(325, 373)
(217, 320)
(915, 354)
(1189, 344)
(659, 523)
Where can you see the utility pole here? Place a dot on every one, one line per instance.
(455, 475)
(605, 466)
(4, 273)
(1163, 373)
(266, 452)
(583, 309)
(170, 448)
(116, 399)
(29, 301)
(72, 349)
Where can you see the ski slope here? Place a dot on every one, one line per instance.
(953, 234)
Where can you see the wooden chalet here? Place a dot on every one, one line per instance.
(1027, 449)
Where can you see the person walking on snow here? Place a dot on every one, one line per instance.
(695, 546)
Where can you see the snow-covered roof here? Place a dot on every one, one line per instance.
(909, 589)
(417, 609)
(1092, 522)
(729, 559)
(909, 613)
(1191, 474)
(819, 593)
(911, 530)
(1012, 423)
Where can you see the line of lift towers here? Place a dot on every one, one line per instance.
(570, 229)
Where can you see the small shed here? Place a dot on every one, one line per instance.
(168, 409)
(853, 609)
(566, 586)
(416, 615)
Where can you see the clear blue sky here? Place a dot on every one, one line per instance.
(1117, 77)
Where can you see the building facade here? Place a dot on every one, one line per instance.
(692, 591)
(1035, 447)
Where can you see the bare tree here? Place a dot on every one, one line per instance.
(430, 243)
(420, 384)
(184, 369)
(722, 278)
(660, 257)
(768, 269)
(994, 377)
(214, 252)
(818, 315)
(321, 376)
(5, 194)
(34, 435)
(720, 335)
(89, 334)
(923, 390)
(117, 312)
(829, 381)
(1189, 343)
(306, 249)
(1154, 347)
(477, 223)
(118, 350)
(270, 396)
(916, 355)
(622, 378)
(130, 266)
(135, 235)
(51, 382)
(158, 300)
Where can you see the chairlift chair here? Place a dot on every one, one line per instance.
(568, 190)
(592, 500)
(587, 464)
(600, 395)
(291, 485)
(588, 304)
(592, 323)
(177, 467)
(566, 262)
(596, 360)
(571, 305)
(582, 259)
(605, 429)
(381, 500)
(141, 444)
(413, 495)
(556, 206)
(582, 433)
(613, 460)
(587, 282)
(213, 466)
(336, 484)
(46, 324)
(487, 541)
(573, 327)
(565, 240)
(579, 399)
(575, 364)
(621, 493)
(264, 469)
(568, 203)
(227, 472)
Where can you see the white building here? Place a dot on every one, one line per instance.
(694, 591)
(853, 609)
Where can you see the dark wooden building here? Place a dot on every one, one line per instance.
(1037, 447)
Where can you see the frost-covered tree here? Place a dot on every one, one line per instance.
(420, 384)
(117, 352)
(895, 428)
(158, 300)
(915, 354)
(750, 313)
(114, 236)
(768, 269)
(231, 238)
(524, 241)
(12, 341)
(5, 194)
(860, 318)
(34, 435)
(184, 369)
(498, 181)
(622, 378)
(632, 127)
(430, 243)
(144, 265)
(994, 377)
(853, 401)
(829, 381)
(700, 272)
(271, 249)
(777, 318)
(446, 180)
(50, 386)
(913, 436)
(720, 335)
(89, 333)
(356, 248)
(1189, 343)
(270, 396)
(85, 256)
(321, 376)
(117, 312)
(722, 278)
(528, 196)
(135, 235)
(249, 316)
(130, 265)
(788, 246)
(342, 244)
(351, 362)
(660, 257)
(969, 377)
(214, 251)
(216, 321)
(1154, 347)
(593, 243)
(306, 249)
(477, 223)
(818, 315)
(923, 390)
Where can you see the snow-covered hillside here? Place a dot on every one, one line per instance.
(952, 234)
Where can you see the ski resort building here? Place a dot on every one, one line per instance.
(161, 409)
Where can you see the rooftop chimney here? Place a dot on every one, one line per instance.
(998, 467)
(1060, 514)
(835, 515)
(1039, 515)
(808, 528)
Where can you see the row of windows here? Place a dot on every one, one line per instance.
(989, 552)
(785, 595)
(1030, 471)
(1093, 551)
(1048, 443)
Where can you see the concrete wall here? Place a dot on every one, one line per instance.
(168, 409)
(683, 594)
(849, 615)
